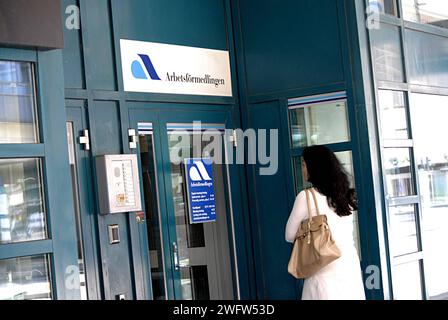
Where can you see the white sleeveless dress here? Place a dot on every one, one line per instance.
(341, 279)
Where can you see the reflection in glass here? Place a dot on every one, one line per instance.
(429, 114)
(384, 6)
(26, 278)
(195, 283)
(346, 159)
(398, 170)
(404, 229)
(18, 119)
(22, 214)
(320, 123)
(298, 177)
(406, 281)
(393, 114)
(433, 12)
(426, 58)
(147, 157)
(387, 54)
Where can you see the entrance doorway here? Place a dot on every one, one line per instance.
(188, 260)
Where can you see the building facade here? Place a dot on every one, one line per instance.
(368, 79)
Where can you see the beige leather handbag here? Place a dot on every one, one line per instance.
(314, 247)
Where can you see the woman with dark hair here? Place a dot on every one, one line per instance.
(342, 278)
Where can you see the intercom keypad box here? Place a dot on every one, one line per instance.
(118, 183)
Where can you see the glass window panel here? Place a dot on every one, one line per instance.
(25, 278)
(192, 235)
(384, 6)
(18, 119)
(403, 229)
(346, 159)
(433, 12)
(198, 243)
(22, 212)
(194, 282)
(431, 153)
(427, 58)
(387, 54)
(393, 114)
(406, 281)
(298, 177)
(185, 283)
(321, 123)
(153, 218)
(398, 170)
(189, 235)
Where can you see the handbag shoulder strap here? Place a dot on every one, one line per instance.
(308, 202)
(313, 192)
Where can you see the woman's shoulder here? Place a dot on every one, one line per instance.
(301, 195)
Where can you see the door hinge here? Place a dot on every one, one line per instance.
(133, 139)
(234, 138)
(85, 139)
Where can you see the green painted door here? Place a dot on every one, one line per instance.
(186, 261)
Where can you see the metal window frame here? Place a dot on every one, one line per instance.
(408, 89)
(39, 152)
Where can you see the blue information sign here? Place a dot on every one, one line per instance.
(201, 190)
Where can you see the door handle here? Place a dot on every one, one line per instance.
(85, 140)
(133, 139)
(176, 256)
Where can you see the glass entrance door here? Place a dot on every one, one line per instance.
(202, 253)
(189, 259)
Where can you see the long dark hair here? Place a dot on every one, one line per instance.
(328, 176)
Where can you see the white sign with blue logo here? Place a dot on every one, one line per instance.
(165, 68)
(201, 190)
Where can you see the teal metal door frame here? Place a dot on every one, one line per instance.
(159, 119)
(77, 115)
(137, 116)
(182, 118)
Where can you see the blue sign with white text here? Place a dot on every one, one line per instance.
(201, 190)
